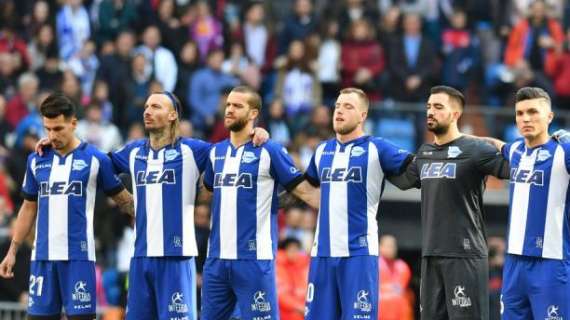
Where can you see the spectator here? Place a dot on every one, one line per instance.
(354, 10)
(460, 50)
(413, 62)
(395, 276)
(32, 123)
(104, 135)
(115, 70)
(73, 28)
(16, 163)
(277, 123)
(239, 65)
(16, 289)
(534, 43)
(114, 17)
(297, 27)
(71, 88)
(138, 89)
(329, 62)
(40, 16)
(189, 62)
(173, 35)
(206, 87)
(362, 60)
(84, 65)
(292, 272)
(42, 44)
(11, 43)
(157, 55)
(258, 39)
(50, 74)
(206, 31)
(5, 128)
(101, 97)
(8, 74)
(24, 102)
(297, 83)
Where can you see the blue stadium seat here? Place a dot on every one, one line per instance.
(399, 131)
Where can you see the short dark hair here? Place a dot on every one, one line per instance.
(453, 93)
(289, 241)
(530, 93)
(57, 104)
(254, 100)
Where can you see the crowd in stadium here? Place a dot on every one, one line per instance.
(108, 55)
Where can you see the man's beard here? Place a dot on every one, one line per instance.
(346, 130)
(438, 129)
(238, 125)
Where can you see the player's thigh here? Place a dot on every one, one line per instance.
(322, 301)
(175, 287)
(78, 287)
(218, 298)
(466, 283)
(357, 279)
(550, 297)
(140, 295)
(44, 294)
(253, 282)
(515, 304)
(432, 290)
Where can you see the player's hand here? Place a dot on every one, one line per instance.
(562, 136)
(7, 265)
(260, 136)
(41, 145)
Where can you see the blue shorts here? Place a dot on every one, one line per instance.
(342, 288)
(535, 288)
(57, 284)
(248, 284)
(162, 288)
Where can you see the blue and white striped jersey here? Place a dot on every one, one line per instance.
(539, 221)
(244, 206)
(65, 189)
(164, 184)
(351, 176)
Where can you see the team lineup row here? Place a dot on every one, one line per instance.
(344, 180)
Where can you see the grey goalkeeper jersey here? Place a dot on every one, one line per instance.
(452, 179)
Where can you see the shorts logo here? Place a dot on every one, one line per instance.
(81, 293)
(461, 300)
(552, 312)
(177, 303)
(362, 302)
(259, 303)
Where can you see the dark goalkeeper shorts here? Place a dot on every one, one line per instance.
(454, 288)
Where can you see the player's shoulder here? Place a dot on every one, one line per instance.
(195, 143)
(272, 146)
(473, 145)
(133, 144)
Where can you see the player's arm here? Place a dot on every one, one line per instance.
(497, 143)
(310, 194)
(24, 224)
(125, 202)
(492, 161)
(408, 178)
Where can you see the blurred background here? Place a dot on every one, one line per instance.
(108, 55)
